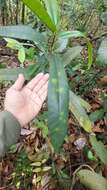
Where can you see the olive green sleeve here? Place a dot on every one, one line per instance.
(9, 131)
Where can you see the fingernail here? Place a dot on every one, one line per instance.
(20, 75)
(47, 75)
(41, 74)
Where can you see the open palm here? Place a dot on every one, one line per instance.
(25, 102)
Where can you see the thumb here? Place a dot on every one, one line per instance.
(19, 82)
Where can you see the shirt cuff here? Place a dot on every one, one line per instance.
(10, 130)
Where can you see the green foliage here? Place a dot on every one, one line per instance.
(104, 17)
(104, 14)
(44, 128)
(77, 34)
(87, 79)
(23, 171)
(37, 7)
(21, 55)
(30, 53)
(101, 113)
(99, 149)
(79, 112)
(24, 33)
(53, 10)
(82, 14)
(90, 54)
(71, 34)
(58, 99)
(13, 44)
(102, 52)
(51, 47)
(71, 54)
(2, 3)
(97, 115)
(68, 36)
(92, 180)
(12, 74)
(105, 3)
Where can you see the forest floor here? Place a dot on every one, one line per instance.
(16, 161)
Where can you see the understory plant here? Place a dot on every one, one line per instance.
(53, 55)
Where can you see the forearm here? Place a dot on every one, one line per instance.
(9, 131)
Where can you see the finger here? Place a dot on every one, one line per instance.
(19, 82)
(41, 83)
(34, 81)
(44, 96)
(43, 89)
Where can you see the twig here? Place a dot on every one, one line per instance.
(1, 188)
(95, 38)
(98, 37)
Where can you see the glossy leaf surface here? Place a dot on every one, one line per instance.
(79, 112)
(58, 99)
(71, 34)
(53, 10)
(37, 7)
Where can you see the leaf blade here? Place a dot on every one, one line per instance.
(12, 74)
(90, 54)
(79, 112)
(71, 54)
(53, 10)
(58, 95)
(102, 52)
(92, 180)
(71, 34)
(37, 7)
(21, 55)
(99, 148)
(24, 33)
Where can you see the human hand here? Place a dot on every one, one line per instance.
(25, 102)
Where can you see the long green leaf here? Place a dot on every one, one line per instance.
(99, 148)
(84, 104)
(102, 52)
(92, 180)
(21, 55)
(24, 33)
(90, 54)
(58, 99)
(53, 10)
(60, 45)
(97, 115)
(76, 34)
(79, 112)
(71, 54)
(71, 34)
(12, 74)
(104, 17)
(37, 7)
(105, 3)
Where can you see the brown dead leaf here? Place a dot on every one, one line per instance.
(97, 128)
(72, 138)
(104, 79)
(95, 106)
